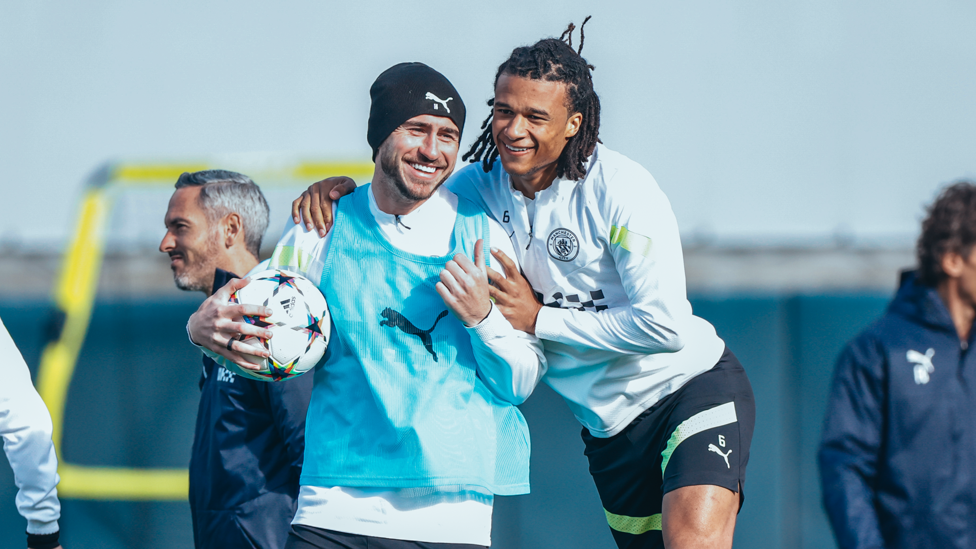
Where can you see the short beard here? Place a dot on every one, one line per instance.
(390, 167)
(199, 277)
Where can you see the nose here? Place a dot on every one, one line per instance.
(515, 129)
(430, 146)
(168, 243)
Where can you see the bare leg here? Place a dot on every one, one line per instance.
(696, 517)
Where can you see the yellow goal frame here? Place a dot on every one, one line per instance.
(74, 296)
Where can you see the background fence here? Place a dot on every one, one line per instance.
(132, 403)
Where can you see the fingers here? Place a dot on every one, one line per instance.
(449, 278)
(466, 266)
(237, 311)
(242, 360)
(227, 330)
(236, 344)
(234, 284)
(324, 223)
(332, 188)
(296, 207)
(447, 296)
(496, 278)
(314, 219)
(496, 295)
(479, 254)
(501, 296)
(304, 210)
(466, 273)
(506, 262)
(476, 268)
(344, 186)
(243, 328)
(315, 205)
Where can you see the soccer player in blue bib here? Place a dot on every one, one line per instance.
(412, 426)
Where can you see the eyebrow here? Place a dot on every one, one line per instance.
(533, 110)
(175, 220)
(426, 126)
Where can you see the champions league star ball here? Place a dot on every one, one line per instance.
(300, 323)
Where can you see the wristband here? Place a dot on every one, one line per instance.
(42, 541)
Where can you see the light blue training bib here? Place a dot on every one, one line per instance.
(398, 402)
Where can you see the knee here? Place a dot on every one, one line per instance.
(692, 536)
(699, 517)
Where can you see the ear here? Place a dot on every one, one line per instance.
(952, 264)
(574, 124)
(233, 229)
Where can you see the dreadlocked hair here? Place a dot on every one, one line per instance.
(551, 60)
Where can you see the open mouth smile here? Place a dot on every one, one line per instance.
(514, 149)
(422, 170)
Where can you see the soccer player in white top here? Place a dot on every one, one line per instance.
(667, 410)
(25, 426)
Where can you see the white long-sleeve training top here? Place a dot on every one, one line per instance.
(25, 425)
(604, 254)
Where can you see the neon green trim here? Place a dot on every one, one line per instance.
(702, 421)
(633, 525)
(290, 258)
(630, 241)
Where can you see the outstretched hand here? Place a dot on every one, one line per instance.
(314, 206)
(464, 286)
(219, 324)
(512, 294)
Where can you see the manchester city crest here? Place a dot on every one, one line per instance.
(563, 245)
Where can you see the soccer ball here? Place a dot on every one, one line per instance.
(300, 323)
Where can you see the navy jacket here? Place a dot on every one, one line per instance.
(898, 455)
(247, 456)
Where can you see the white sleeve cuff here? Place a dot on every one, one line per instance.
(548, 322)
(40, 527)
(493, 326)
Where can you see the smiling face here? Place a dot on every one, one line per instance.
(531, 125)
(415, 159)
(192, 245)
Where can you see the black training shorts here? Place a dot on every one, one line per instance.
(698, 435)
(307, 537)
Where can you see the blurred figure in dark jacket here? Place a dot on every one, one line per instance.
(250, 435)
(898, 455)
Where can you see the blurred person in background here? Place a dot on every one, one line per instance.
(898, 454)
(25, 425)
(250, 435)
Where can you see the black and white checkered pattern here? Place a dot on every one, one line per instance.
(574, 301)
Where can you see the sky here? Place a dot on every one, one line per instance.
(765, 123)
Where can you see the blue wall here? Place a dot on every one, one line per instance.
(133, 402)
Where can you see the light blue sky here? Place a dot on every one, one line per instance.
(764, 122)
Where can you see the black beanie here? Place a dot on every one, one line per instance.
(404, 91)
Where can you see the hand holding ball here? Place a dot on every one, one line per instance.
(299, 323)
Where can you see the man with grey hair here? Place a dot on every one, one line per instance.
(250, 435)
